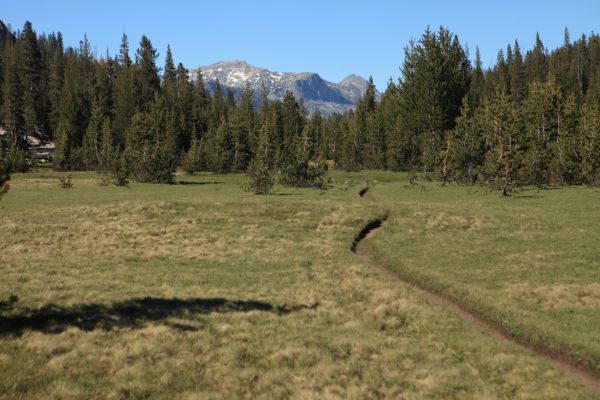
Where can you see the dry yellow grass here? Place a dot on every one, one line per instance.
(350, 333)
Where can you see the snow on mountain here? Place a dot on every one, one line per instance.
(318, 94)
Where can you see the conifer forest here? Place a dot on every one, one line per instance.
(226, 231)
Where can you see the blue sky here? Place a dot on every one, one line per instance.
(334, 38)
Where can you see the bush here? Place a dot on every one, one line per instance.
(304, 173)
(149, 165)
(261, 178)
(120, 171)
(16, 159)
(65, 182)
(192, 160)
(4, 177)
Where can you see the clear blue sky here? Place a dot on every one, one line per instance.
(334, 38)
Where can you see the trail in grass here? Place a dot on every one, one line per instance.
(560, 360)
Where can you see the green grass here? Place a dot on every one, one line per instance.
(217, 266)
(530, 262)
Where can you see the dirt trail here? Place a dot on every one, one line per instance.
(570, 366)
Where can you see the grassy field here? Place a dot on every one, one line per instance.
(530, 263)
(200, 290)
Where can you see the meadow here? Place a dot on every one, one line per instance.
(202, 290)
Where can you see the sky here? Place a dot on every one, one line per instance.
(333, 38)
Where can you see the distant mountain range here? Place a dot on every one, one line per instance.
(318, 94)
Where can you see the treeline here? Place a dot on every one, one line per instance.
(532, 118)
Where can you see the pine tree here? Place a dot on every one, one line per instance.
(72, 120)
(244, 132)
(503, 160)
(435, 78)
(477, 88)
(91, 138)
(218, 109)
(292, 120)
(55, 83)
(564, 165)
(518, 87)
(536, 59)
(465, 149)
(107, 155)
(590, 143)
(12, 104)
(147, 81)
(4, 176)
(200, 105)
(184, 109)
(31, 65)
(225, 147)
(151, 144)
(192, 160)
(542, 121)
(123, 95)
(169, 75)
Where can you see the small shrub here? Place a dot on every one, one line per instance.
(16, 159)
(105, 180)
(65, 182)
(305, 173)
(192, 160)
(120, 172)
(261, 178)
(4, 177)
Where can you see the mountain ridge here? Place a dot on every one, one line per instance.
(318, 94)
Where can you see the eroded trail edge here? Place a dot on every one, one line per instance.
(561, 360)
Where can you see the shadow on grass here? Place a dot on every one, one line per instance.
(132, 313)
(200, 183)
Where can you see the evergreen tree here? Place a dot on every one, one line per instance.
(565, 164)
(244, 131)
(542, 121)
(123, 94)
(292, 124)
(590, 143)
(200, 105)
(503, 159)
(151, 144)
(465, 149)
(31, 66)
(55, 84)
(225, 147)
(536, 60)
(435, 78)
(12, 105)
(518, 87)
(477, 88)
(193, 160)
(184, 108)
(147, 81)
(4, 176)
(218, 109)
(107, 155)
(92, 137)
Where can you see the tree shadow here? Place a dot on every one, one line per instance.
(53, 319)
(200, 183)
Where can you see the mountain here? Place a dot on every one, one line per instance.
(318, 94)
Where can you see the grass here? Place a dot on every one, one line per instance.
(201, 290)
(530, 262)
